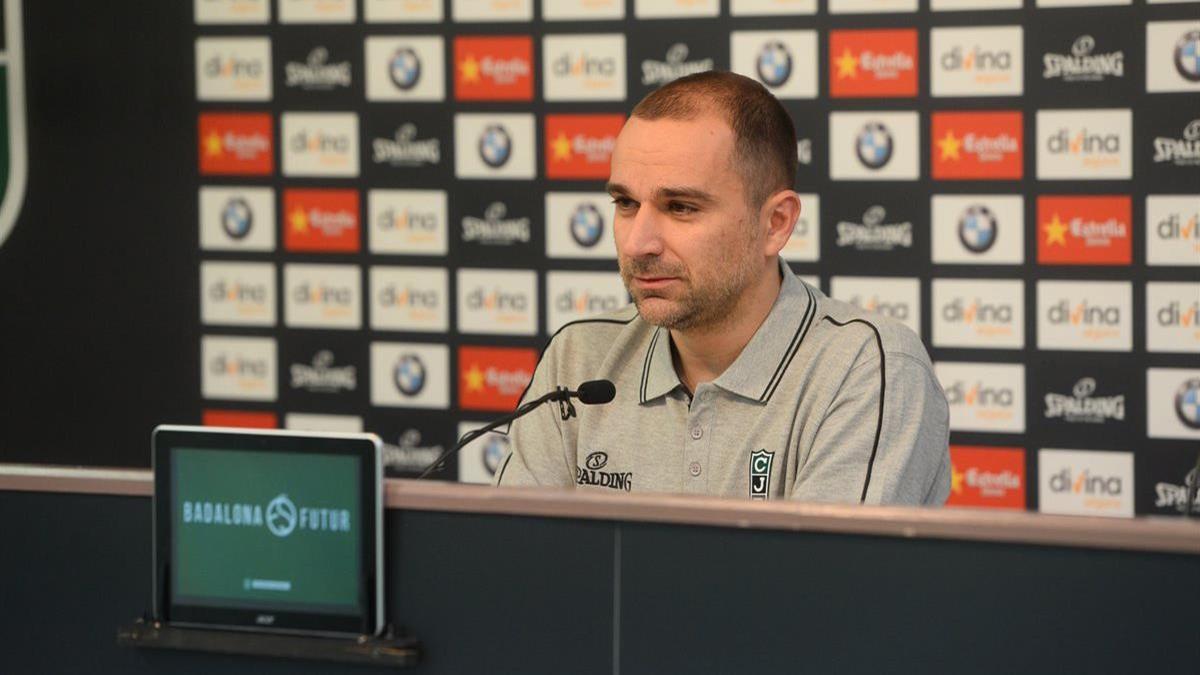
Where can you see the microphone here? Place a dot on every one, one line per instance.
(592, 392)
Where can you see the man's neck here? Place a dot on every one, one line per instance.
(701, 354)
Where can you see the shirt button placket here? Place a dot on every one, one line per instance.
(696, 453)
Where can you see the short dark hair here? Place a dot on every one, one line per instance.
(763, 135)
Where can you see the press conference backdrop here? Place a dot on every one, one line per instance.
(374, 214)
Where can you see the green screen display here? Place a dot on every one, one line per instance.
(266, 530)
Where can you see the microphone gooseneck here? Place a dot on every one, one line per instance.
(592, 392)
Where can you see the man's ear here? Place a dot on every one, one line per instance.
(779, 215)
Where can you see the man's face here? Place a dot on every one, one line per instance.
(687, 243)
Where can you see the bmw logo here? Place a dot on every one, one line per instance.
(405, 68)
(1187, 56)
(587, 225)
(495, 146)
(977, 228)
(874, 145)
(409, 375)
(237, 218)
(494, 450)
(774, 64)
(1187, 403)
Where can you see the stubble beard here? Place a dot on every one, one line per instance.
(696, 307)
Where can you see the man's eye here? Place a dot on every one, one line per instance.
(681, 209)
(622, 202)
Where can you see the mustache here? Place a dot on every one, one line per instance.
(649, 266)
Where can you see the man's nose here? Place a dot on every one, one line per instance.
(645, 233)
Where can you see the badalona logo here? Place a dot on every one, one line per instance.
(282, 516)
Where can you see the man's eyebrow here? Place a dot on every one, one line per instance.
(695, 194)
(616, 188)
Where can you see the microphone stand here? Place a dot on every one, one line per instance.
(558, 394)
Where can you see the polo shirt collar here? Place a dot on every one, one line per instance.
(756, 372)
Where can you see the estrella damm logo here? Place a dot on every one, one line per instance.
(13, 159)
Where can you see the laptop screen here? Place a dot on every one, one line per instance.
(268, 530)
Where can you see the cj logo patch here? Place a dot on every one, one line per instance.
(760, 473)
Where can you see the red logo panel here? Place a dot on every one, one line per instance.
(872, 63)
(989, 477)
(236, 144)
(493, 378)
(1094, 230)
(321, 221)
(493, 68)
(239, 418)
(580, 146)
(977, 145)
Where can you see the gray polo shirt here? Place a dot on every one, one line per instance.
(826, 403)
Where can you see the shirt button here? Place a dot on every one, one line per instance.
(694, 468)
(697, 432)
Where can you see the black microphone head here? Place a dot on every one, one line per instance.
(596, 391)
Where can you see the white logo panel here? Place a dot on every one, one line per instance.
(675, 9)
(772, 7)
(403, 11)
(1081, 3)
(1172, 56)
(1172, 317)
(410, 299)
(571, 296)
(1086, 144)
(984, 396)
(1085, 315)
(1173, 403)
(1173, 230)
(480, 459)
(874, 146)
(410, 68)
(233, 69)
(316, 11)
(894, 297)
(217, 12)
(583, 10)
(237, 219)
(496, 146)
(408, 375)
(871, 6)
(579, 225)
(805, 243)
(237, 293)
(407, 222)
(491, 10)
(346, 424)
(976, 61)
(957, 5)
(583, 67)
(978, 229)
(238, 368)
(1085, 483)
(979, 313)
(785, 62)
(322, 296)
(320, 144)
(497, 302)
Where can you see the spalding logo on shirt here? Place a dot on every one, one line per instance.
(591, 474)
(760, 473)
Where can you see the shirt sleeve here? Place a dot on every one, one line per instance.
(537, 454)
(883, 440)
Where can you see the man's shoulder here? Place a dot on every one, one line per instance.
(587, 343)
(853, 327)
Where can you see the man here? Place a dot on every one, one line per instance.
(733, 377)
